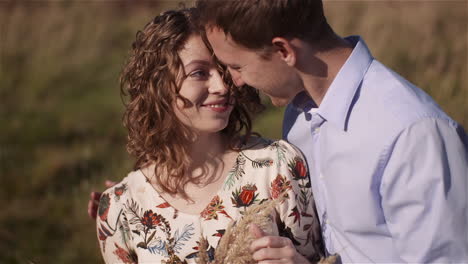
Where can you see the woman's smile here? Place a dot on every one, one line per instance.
(219, 106)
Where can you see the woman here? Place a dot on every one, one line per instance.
(195, 170)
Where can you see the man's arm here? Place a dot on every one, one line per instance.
(424, 193)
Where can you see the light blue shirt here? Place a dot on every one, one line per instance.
(389, 168)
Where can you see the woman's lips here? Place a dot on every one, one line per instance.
(220, 108)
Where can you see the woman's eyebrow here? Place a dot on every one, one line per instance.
(203, 62)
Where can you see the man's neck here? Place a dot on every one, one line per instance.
(320, 66)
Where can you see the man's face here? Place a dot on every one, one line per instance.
(272, 76)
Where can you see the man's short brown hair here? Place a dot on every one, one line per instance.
(254, 23)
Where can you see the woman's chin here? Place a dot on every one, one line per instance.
(212, 129)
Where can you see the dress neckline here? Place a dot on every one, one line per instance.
(218, 192)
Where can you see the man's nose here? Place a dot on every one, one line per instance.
(236, 78)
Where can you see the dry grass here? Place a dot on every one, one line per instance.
(234, 246)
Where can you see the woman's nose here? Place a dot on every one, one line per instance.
(217, 85)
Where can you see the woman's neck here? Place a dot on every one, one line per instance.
(211, 161)
(207, 154)
(207, 146)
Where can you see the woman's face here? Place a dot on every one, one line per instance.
(210, 106)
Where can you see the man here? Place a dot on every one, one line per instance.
(389, 168)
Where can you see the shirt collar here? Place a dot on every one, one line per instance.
(338, 99)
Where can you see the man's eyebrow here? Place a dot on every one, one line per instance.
(234, 66)
(229, 65)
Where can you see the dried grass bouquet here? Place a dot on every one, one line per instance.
(234, 246)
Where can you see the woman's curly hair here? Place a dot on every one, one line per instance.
(150, 80)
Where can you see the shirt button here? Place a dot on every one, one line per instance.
(316, 130)
(321, 176)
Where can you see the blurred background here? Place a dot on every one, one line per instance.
(60, 110)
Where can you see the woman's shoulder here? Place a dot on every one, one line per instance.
(114, 199)
(125, 187)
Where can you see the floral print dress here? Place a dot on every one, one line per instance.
(136, 225)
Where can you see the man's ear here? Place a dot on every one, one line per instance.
(285, 50)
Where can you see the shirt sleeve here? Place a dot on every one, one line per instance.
(297, 217)
(424, 193)
(113, 231)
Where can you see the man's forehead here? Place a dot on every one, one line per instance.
(218, 33)
(225, 48)
(222, 44)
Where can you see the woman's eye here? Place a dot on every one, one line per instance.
(200, 74)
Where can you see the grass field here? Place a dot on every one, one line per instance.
(60, 110)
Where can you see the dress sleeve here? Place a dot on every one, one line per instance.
(297, 216)
(424, 193)
(112, 229)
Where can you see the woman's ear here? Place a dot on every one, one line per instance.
(285, 50)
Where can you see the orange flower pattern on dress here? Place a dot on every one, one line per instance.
(151, 220)
(245, 196)
(211, 211)
(167, 205)
(123, 255)
(119, 190)
(163, 205)
(280, 185)
(298, 169)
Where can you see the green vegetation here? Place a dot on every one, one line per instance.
(60, 110)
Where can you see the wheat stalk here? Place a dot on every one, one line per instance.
(234, 246)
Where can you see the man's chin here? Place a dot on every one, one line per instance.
(278, 102)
